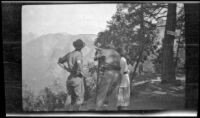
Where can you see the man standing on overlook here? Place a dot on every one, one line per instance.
(75, 82)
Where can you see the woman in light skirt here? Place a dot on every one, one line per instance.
(124, 86)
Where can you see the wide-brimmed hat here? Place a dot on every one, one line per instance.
(78, 44)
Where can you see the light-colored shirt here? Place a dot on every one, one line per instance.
(123, 65)
(125, 82)
(75, 61)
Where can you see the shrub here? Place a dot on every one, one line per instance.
(28, 100)
(53, 97)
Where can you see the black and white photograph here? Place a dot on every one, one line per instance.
(105, 57)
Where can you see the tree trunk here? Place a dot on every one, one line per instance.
(143, 40)
(168, 69)
(177, 51)
(97, 82)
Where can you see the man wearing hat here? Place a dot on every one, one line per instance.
(75, 83)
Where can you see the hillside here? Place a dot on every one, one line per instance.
(27, 37)
(40, 68)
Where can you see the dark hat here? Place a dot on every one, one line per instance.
(78, 44)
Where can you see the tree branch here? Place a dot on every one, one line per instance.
(157, 6)
(162, 26)
(160, 17)
(163, 6)
(157, 12)
(164, 12)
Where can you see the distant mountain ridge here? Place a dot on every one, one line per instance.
(27, 37)
(40, 56)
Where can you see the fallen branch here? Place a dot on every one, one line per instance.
(141, 83)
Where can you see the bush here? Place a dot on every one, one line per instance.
(28, 100)
(53, 97)
(90, 81)
(45, 101)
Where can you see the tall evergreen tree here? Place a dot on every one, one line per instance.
(134, 25)
(168, 68)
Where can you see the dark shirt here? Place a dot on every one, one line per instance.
(110, 59)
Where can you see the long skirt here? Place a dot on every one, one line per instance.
(124, 92)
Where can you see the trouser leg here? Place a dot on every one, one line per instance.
(75, 88)
(107, 88)
(78, 92)
(69, 99)
(68, 102)
(102, 91)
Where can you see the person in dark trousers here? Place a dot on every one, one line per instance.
(75, 82)
(124, 86)
(108, 78)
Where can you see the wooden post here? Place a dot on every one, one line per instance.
(98, 71)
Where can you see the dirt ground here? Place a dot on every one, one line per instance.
(156, 97)
(151, 95)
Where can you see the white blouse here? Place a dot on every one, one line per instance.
(125, 82)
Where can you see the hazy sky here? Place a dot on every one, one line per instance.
(73, 19)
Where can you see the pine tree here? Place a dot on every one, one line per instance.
(168, 69)
(134, 26)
